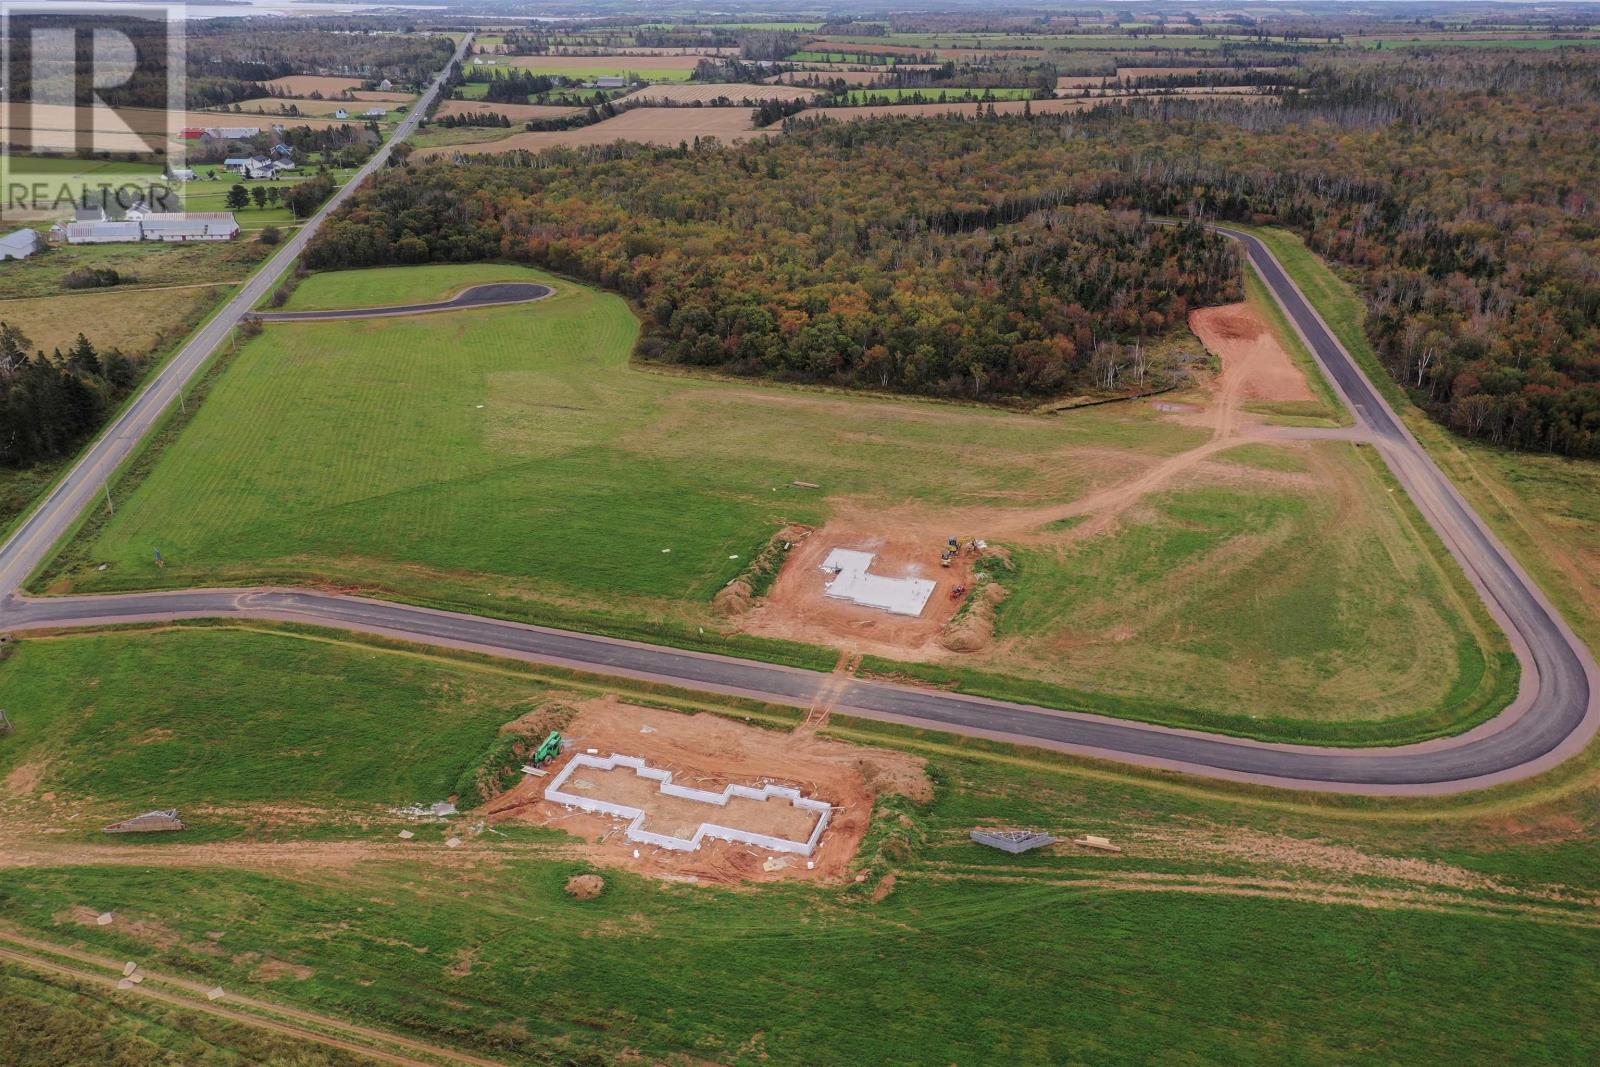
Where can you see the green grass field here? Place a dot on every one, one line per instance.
(384, 731)
(1543, 507)
(511, 462)
(1235, 928)
(1447, 41)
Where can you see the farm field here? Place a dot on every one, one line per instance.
(1443, 932)
(269, 107)
(456, 489)
(306, 84)
(849, 77)
(515, 112)
(936, 95)
(707, 93)
(648, 125)
(137, 321)
(145, 265)
(1001, 107)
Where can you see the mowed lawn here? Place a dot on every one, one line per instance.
(511, 461)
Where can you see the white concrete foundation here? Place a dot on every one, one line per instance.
(852, 581)
(636, 832)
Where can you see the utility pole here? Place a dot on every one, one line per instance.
(106, 485)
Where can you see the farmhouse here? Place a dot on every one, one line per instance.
(19, 245)
(342, 113)
(609, 81)
(231, 133)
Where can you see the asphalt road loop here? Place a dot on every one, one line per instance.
(490, 295)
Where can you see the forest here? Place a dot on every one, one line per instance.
(49, 405)
(988, 257)
(890, 292)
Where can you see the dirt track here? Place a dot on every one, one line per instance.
(279, 1018)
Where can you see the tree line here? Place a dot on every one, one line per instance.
(990, 256)
(808, 262)
(49, 405)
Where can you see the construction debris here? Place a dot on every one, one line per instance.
(1094, 841)
(5, 723)
(805, 485)
(1013, 841)
(149, 822)
(406, 835)
(128, 968)
(104, 919)
(214, 993)
(453, 842)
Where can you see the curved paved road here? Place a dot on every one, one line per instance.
(1554, 716)
(477, 296)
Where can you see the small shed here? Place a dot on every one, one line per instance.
(150, 822)
(1013, 841)
(19, 244)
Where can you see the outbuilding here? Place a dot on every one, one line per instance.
(19, 245)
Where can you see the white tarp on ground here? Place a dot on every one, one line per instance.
(853, 582)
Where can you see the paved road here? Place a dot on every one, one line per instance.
(1553, 717)
(478, 296)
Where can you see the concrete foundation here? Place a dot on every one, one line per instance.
(635, 831)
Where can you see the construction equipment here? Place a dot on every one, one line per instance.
(549, 749)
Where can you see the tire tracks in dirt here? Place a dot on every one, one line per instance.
(379, 1045)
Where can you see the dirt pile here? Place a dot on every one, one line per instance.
(973, 628)
(739, 595)
(585, 886)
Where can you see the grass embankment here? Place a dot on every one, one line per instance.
(511, 461)
(1231, 930)
(1546, 509)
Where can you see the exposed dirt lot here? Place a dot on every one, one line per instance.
(306, 84)
(709, 752)
(797, 609)
(1249, 350)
